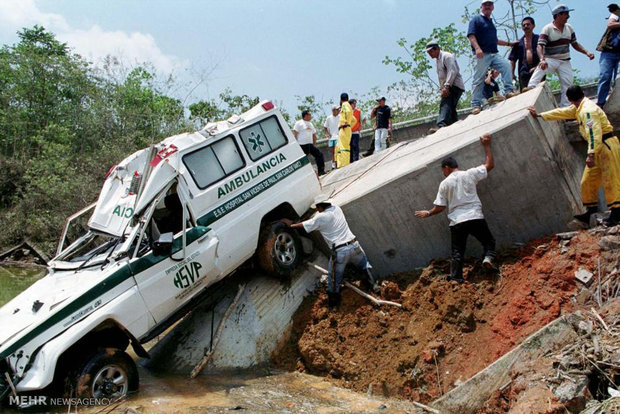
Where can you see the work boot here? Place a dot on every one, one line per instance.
(614, 218)
(476, 110)
(585, 217)
(333, 300)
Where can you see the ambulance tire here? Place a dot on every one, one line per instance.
(279, 249)
(109, 373)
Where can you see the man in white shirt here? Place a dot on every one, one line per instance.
(331, 130)
(305, 133)
(458, 193)
(331, 223)
(554, 51)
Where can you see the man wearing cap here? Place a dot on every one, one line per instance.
(383, 123)
(603, 159)
(458, 193)
(450, 81)
(554, 51)
(523, 56)
(305, 133)
(331, 223)
(330, 126)
(482, 35)
(609, 46)
(347, 121)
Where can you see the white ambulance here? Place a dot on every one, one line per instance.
(171, 220)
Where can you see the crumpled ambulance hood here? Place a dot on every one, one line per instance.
(54, 292)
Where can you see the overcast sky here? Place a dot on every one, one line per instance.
(274, 49)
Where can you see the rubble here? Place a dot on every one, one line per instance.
(446, 333)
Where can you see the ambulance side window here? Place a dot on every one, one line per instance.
(263, 138)
(214, 162)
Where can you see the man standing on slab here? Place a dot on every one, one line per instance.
(451, 83)
(554, 51)
(482, 35)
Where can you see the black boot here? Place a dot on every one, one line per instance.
(585, 217)
(333, 300)
(614, 217)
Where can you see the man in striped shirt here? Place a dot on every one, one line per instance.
(554, 51)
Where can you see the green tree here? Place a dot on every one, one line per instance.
(422, 83)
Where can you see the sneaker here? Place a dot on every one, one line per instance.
(376, 288)
(333, 165)
(488, 263)
(511, 94)
(476, 110)
(432, 130)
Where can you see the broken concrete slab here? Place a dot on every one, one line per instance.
(535, 166)
(261, 317)
(584, 276)
(468, 397)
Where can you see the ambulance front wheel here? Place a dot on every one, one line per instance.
(279, 249)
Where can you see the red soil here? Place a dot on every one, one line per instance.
(445, 332)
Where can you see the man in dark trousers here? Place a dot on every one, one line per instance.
(331, 223)
(451, 83)
(383, 125)
(305, 133)
(458, 193)
(523, 55)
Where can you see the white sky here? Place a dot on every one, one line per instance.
(274, 49)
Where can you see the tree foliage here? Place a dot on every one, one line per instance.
(63, 123)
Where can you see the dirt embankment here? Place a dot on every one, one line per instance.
(445, 332)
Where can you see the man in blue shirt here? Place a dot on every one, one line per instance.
(482, 35)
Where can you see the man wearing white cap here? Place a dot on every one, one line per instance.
(482, 35)
(554, 51)
(331, 223)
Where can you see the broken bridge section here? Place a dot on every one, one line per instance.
(534, 189)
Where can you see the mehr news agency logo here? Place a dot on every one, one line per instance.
(43, 400)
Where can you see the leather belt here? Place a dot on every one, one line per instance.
(607, 136)
(345, 244)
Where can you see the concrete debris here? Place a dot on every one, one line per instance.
(584, 276)
(610, 243)
(567, 235)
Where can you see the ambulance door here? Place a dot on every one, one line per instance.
(176, 259)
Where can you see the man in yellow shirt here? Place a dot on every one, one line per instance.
(603, 160)
(347, 120)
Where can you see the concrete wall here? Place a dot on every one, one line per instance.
(261, 317)
(533, 190)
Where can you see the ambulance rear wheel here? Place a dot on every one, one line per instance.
(279, 249)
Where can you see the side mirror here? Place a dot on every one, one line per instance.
(163, 245)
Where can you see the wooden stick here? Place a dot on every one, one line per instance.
(370, 297)
(360, 292)
(220, 328)
(10, 382)
(600, 298)
(425, 407)
(600, 319)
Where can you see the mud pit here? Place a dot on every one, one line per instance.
(445, 332)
